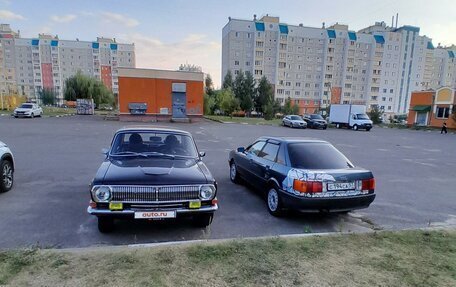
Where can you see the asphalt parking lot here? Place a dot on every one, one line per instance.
(57, 157)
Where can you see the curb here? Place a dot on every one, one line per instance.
(223, 240)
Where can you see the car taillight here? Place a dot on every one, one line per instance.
(307, 186)
(368, 184)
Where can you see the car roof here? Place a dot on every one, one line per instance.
(292, 139)
(149, 128)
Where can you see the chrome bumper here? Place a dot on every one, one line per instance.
(129, 212)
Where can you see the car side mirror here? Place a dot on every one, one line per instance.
(202, 154)
(241, 149)
(105, 151)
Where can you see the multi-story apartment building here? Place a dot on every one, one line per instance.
(30, 65)
(378, 65)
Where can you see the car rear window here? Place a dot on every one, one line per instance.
(316, 156)
(316, 117)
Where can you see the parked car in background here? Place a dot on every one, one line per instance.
(301, 174)
(154, 174)
(294, 121)
(6, 168)
(315, 121)
(29, 110)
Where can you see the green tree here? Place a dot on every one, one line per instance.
(265, 94)
(249, 92)
(375, 114)
(268, 111)
(81, 86)
(228, 81)
(47, 96)
(238, 85)
(241, 89)
(227, 101)
(290, 108)
(209, 104)
(209, 85)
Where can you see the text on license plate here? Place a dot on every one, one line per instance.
(341, 186)
(155, 214)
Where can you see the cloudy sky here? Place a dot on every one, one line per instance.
(170, 32)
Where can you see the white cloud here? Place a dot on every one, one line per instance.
(194, 49)
(8, 15)
(444, 34)
(119, 19)
(45, 30)
(64, 18)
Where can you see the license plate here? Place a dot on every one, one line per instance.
(155, 214)
(195, 204)
(115, 206)
(341, 186)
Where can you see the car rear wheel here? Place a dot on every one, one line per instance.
(338, 126)
(234, 175)
(368, 129)
(203, 220)
(105, 224)
(274, 203)
(7, 176)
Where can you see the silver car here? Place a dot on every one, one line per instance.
(28, 110)
(6, 168)
(294, 121)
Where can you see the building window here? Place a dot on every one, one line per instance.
(442, 112)
(236, 63)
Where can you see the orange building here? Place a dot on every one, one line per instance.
(160, 95)
(432, 108)
(307, 106)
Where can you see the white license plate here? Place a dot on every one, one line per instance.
(155, 214)
(341, 186)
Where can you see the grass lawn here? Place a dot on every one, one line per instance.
(406, 258)
(54, 111)
(252, 121)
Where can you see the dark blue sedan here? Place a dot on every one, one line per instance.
(301, 174)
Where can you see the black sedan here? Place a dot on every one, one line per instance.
(301, 174)
(315, 121)
(152, 174)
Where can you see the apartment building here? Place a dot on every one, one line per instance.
(30, 65)
(377, 66)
